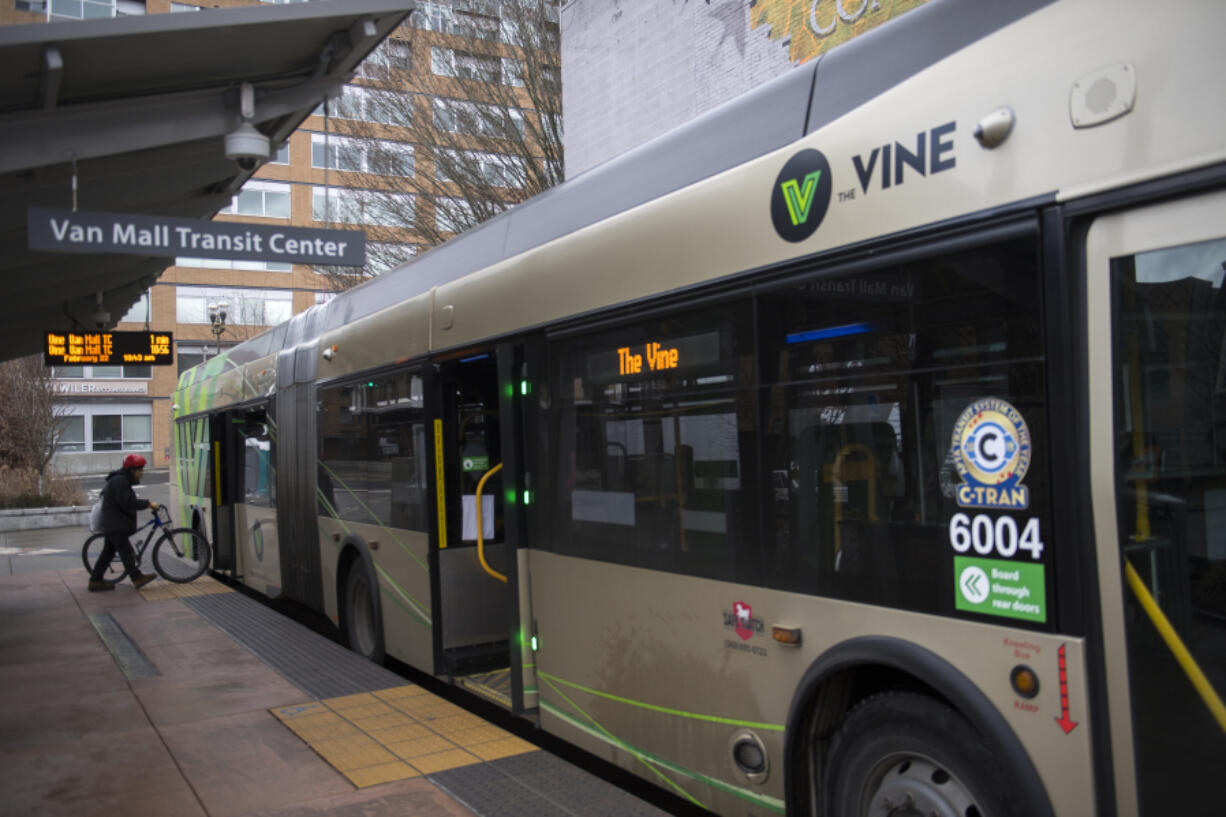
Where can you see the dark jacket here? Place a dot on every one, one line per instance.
(120, 503)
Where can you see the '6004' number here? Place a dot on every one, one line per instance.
(1001, 536)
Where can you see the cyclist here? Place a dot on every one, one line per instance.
(119, 506)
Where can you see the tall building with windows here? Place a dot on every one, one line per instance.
(355, 163)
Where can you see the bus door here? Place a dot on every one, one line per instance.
(254, 492)
(1156, 314)
(473, 606)
(224, 453)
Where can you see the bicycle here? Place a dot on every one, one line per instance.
(180, 554)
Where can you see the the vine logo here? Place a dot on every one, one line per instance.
(801, 195)
(799, 202)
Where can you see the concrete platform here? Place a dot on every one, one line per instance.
(182, 701)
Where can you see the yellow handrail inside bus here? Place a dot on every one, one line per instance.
(846, 470)
(1176, 646)
(481, 526)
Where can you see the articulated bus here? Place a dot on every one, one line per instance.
(852, 450)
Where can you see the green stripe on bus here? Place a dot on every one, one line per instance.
(417, 609)
(375, 517)
(766, 727)
(600, 733)
(609, 737)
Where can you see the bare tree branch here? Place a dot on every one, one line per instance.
(473, 130)
(31, 419)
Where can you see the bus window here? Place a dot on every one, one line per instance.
(259, 466)
(655, 464)
(1170, 423)
(372, 455)
(870, 378)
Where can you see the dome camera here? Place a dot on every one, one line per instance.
(247, 146)
(101, 317)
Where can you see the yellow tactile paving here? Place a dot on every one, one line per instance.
(429, 745)
(442, 761)
(396, 733)
(161, 590)
(505, 747)
(383, 773)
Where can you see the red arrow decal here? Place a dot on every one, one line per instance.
(1065, 724)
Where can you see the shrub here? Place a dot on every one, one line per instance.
(19, 489)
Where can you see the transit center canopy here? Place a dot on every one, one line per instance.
(141, 106)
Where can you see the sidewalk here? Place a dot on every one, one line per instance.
(196, 701)
(78, 737)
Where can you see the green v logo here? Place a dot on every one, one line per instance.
(799, 201)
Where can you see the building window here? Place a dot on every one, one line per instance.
(139, 312)
(380, 157)
(281, 157)
(362, 207)
(384, 107)
(248, 307)
(72, 435)
(225, 263)
(391, 56)
(181, 7)
(452, 215)
(461, 116)
(269, 199)
(122, 432)
(496, 169)
(382, 256)
(434, 17)
(126, 372)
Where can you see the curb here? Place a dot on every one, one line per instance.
(37, 518)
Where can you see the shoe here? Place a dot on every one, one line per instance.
(140, 581)
(96, 586)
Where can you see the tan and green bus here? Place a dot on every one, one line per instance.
(853, 450)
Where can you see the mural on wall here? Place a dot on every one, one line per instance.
(813, 27)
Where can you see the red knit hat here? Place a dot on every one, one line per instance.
(134, 461)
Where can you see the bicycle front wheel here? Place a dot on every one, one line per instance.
(181, 555)
(114, 572)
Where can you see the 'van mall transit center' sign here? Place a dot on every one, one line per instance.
(132, 234)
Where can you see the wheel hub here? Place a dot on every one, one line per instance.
(916, 787)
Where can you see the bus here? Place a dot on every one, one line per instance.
(852, 450)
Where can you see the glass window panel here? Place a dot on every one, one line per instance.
(137, 371)
(867, 376)
(653, 445)
(137, 431)
(72, 435)
(373, 453)
(1170, 418)
(68, 371)
(107, 432)
(277, 204)
(108, 371)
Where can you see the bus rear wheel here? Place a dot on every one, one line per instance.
(902, 753)
(362, 630)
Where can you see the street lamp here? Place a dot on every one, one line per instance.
(217, 317)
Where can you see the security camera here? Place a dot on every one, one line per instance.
(101, 317)
(247, 146)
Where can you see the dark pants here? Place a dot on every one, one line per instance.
(116, 542)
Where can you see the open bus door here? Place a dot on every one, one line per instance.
(223, 469)
(1156, 308)
(476, 531)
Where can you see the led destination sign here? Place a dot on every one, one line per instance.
(635, 360)
(102, 348)
(133, 234)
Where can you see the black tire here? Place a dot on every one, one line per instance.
(90, 554)
(908, 752)
(363, 632)
(181, 555)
